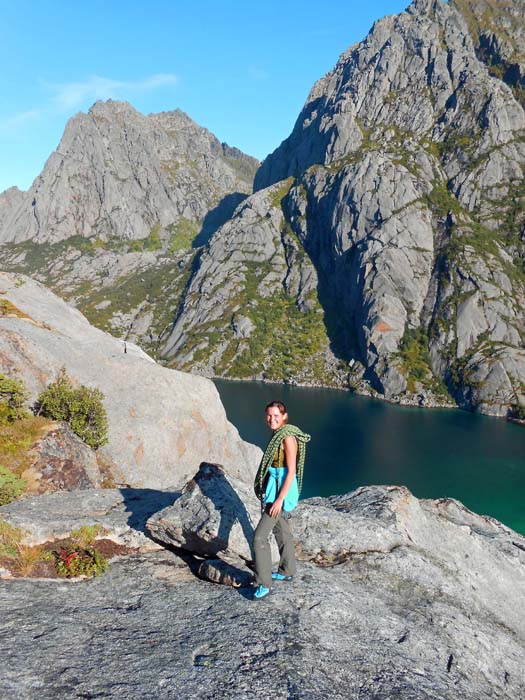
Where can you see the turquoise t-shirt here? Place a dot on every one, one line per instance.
(276, 476)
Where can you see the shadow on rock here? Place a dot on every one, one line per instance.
(231, 509)
(216, 217)
(143, 503)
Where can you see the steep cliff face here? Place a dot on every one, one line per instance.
(405, 200)
(252, 296)
(498, 33)
(111, 221)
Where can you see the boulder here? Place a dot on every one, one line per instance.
(435, 542)
(162, 422)
(216, 514)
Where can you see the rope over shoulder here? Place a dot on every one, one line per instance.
(275, 441)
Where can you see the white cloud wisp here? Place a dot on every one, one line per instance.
(71, 96)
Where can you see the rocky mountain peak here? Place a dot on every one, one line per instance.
(408, 73)
(118, 173)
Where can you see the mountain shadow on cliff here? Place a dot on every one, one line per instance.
(218, 216)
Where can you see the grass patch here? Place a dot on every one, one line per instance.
(16, 439)
(7, 308)
(86, 535)
(11, 486)
(182, 234)
(10, 538)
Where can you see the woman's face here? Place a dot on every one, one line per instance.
(274, 418)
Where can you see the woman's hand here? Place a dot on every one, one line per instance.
(276, 508)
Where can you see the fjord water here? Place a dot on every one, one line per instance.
(358, 441)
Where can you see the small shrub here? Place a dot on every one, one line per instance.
(76, 561)
(13, 396)
(81, 407)
(26, 557)
(86, 534)
(11, 486)
(10, 538)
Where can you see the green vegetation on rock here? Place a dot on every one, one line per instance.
(13, 396)
(16, 440)
(12, 486)
(182, 234)
(10, 538)
(151, 243)
(76, 561)
(155, 290)
(7, 308)
(280, 193)
(80, 406)
(415, 362)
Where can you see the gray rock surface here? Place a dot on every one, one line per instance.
(161, 422)
(121, 512)
(117, 173)
(10, 200)
(424, 604)
(402, 193)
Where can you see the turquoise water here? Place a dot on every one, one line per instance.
(358, 441)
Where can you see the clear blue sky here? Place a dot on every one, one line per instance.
(241, 69)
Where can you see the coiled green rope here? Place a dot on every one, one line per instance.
(275, 441)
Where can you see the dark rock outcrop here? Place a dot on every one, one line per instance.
(60, 461)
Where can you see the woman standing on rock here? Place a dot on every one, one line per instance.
(278, 484)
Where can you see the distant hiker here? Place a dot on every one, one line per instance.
(278, 485)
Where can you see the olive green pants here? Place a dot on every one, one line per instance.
(262, 551)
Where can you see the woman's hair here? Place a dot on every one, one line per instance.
(278, 404)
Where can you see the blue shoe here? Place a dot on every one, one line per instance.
(261, 592)
(276, 576)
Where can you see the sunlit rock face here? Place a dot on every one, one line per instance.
(162, 423)
(397, 203)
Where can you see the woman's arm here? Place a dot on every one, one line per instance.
(290, 452)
